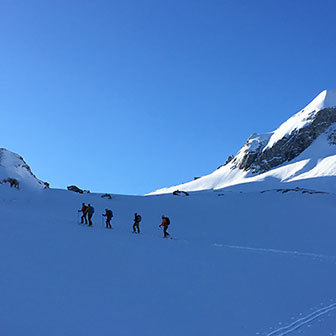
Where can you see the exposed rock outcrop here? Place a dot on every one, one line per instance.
(75, 189)
(180, 193)
(260, 159)
(12, 182)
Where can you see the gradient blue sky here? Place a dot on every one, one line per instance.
(129, 96)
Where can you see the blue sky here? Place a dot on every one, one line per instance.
(130, 96)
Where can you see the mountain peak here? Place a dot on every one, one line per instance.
(297, 145)
(325, 99)
(15, 171)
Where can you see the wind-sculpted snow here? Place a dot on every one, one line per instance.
(240, 264)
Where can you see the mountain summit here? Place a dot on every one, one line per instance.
(15, 172)
(301, 150)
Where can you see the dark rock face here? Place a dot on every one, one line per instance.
(296, 189)
(12, 181)
(180, 193)
(332, 138)
(75, 189)
(289, 147)
(228, 160)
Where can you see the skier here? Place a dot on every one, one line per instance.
(165, 223)
(84, 213)
(137, 220)
(90, 212)
(108, 214)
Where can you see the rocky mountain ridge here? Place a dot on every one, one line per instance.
(307, 138)
(262, 159)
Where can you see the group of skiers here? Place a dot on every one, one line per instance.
(88, 211)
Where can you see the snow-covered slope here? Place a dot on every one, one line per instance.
(241, 264)
(302, 151)
(15, 171)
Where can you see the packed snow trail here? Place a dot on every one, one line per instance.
(302, 321)
(293, 253)
(320, 257)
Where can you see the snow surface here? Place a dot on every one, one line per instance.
(314, 168)
(242, 264)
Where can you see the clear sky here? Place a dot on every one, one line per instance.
(130, 96)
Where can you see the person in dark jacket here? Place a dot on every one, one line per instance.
(165, 223)
(137, 220)
(90, 212)
(84, 213)
(108, 214)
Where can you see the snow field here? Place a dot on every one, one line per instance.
(241, 264)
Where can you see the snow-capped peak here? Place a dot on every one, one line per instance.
(15, 172)
(326, 99)
(292, 150)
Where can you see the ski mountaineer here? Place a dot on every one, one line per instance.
(90, 212)
(137, 220)
(84, 213)
(165, 223)
(108, 214)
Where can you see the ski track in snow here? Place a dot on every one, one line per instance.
(294, 253)
(302, 321)
(315, 256)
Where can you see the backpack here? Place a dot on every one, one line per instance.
(91, 210)
(167, 220)
(139, 218)
(110, 213)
